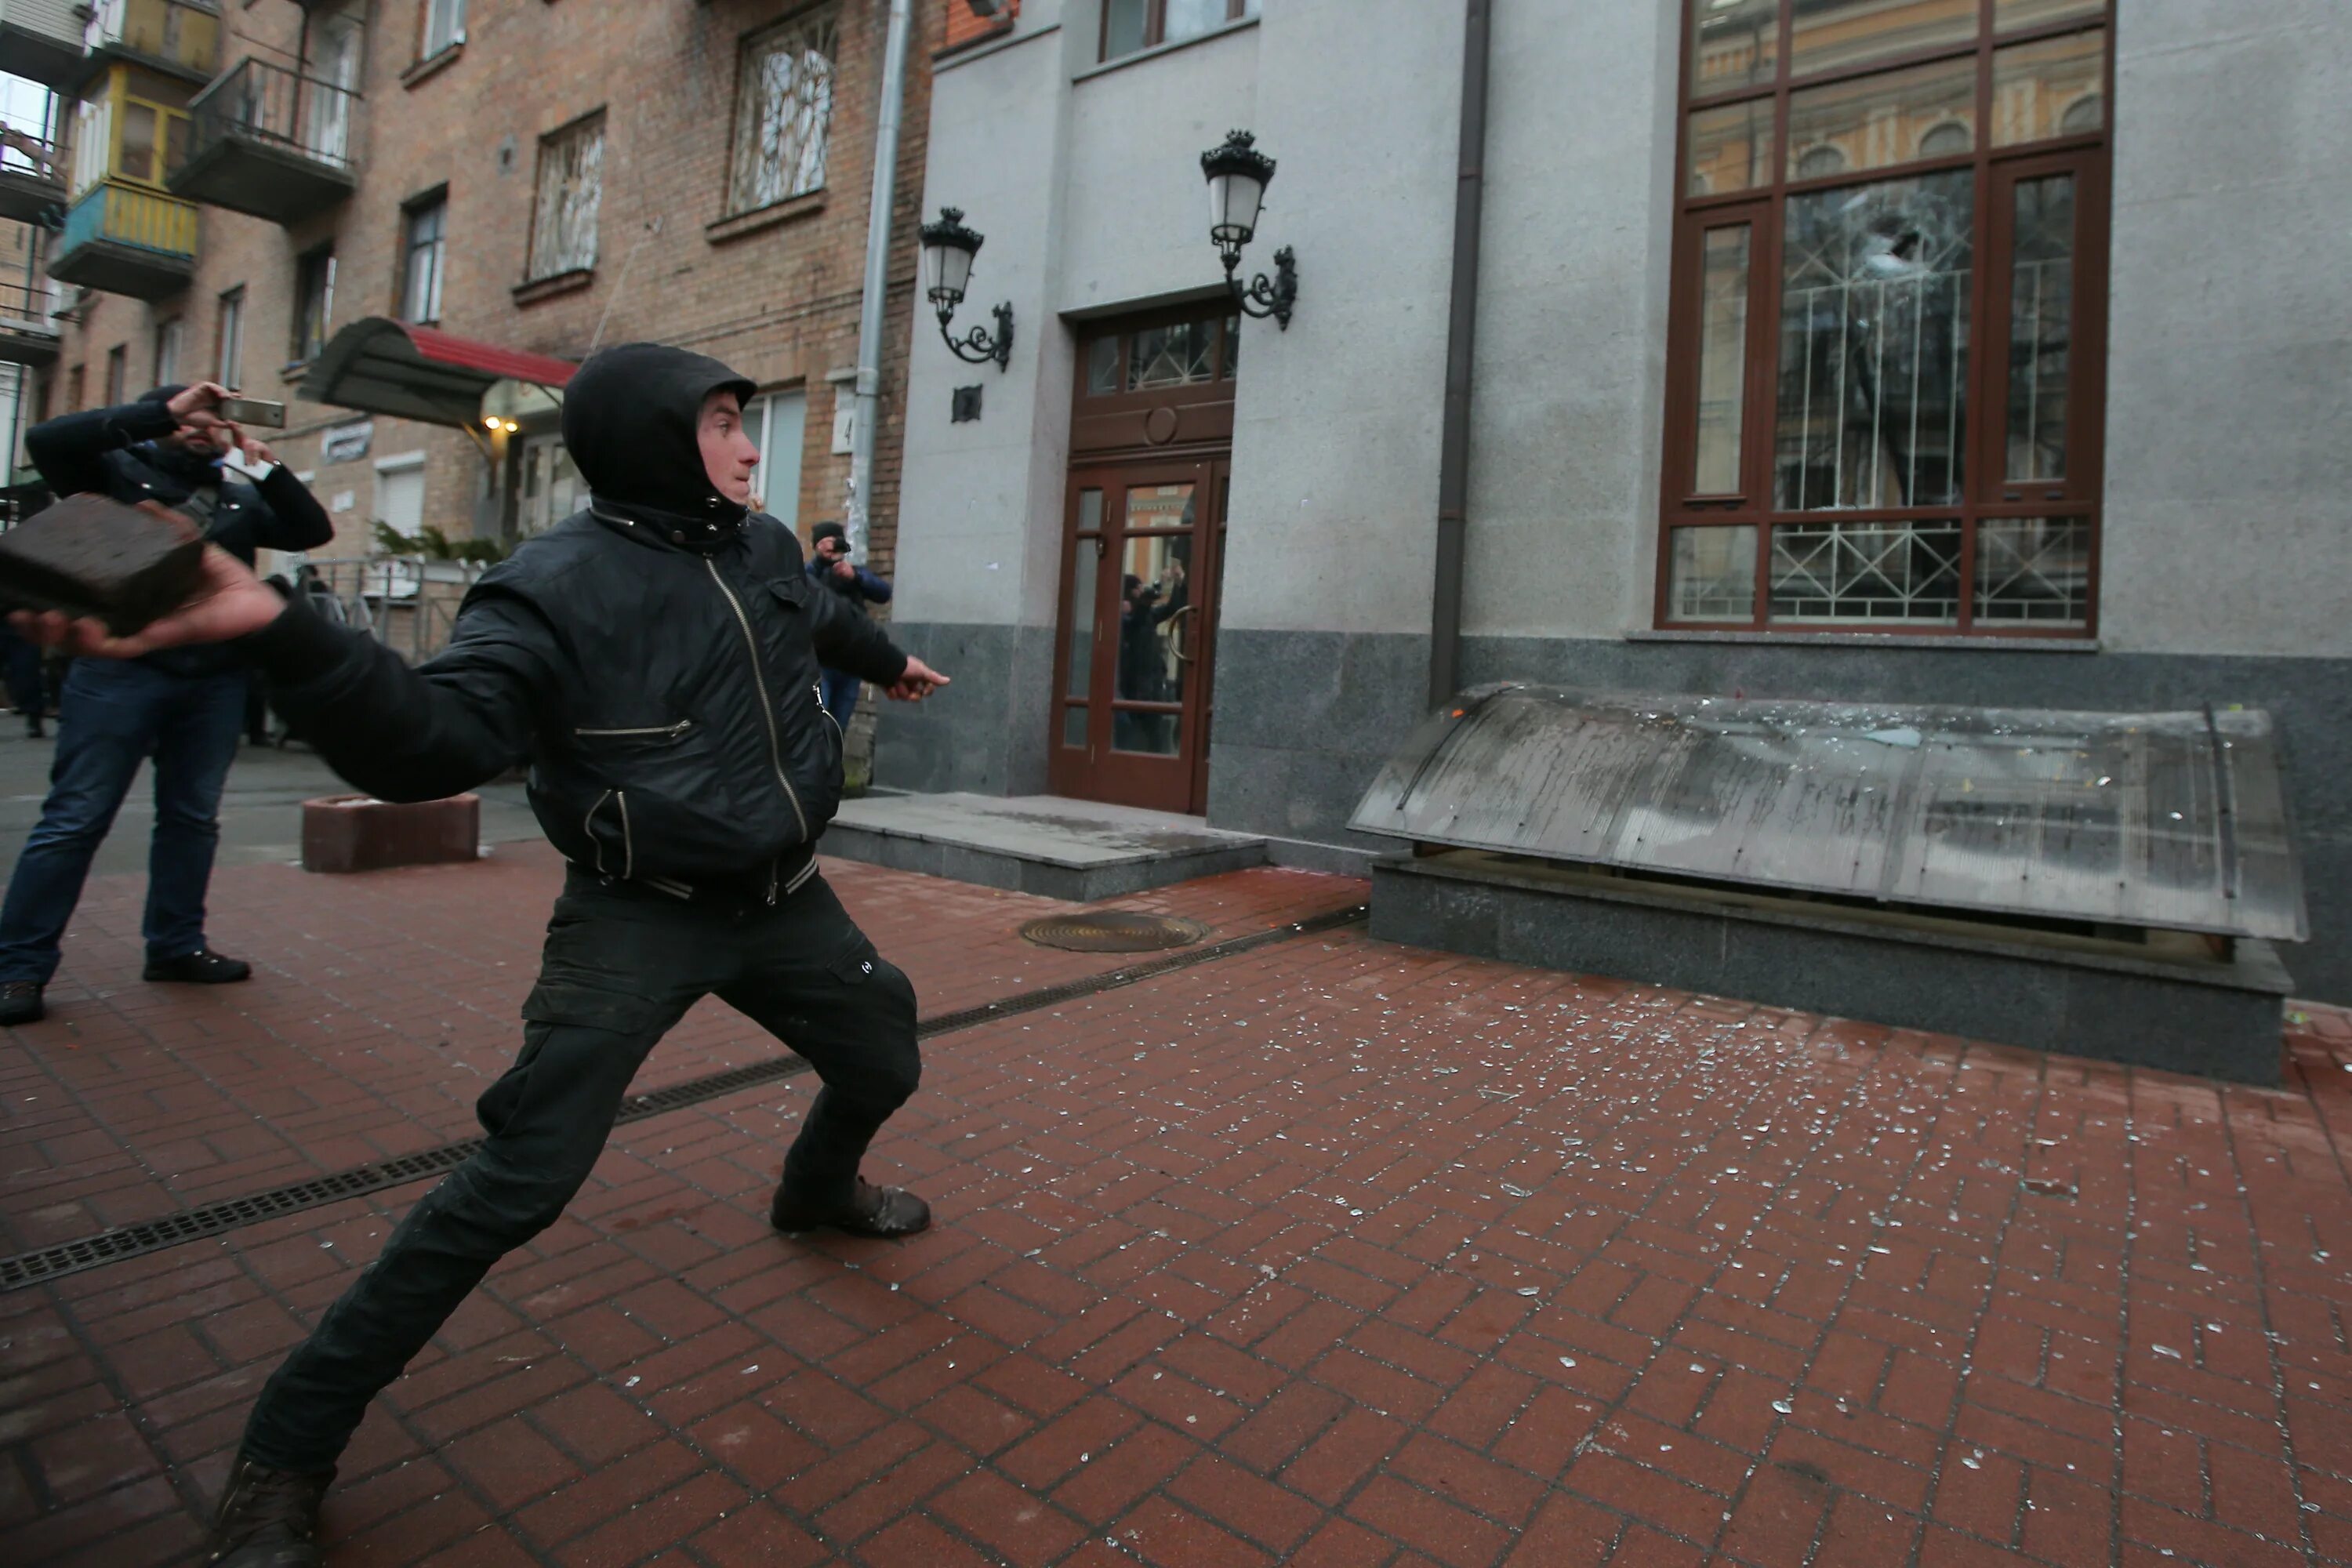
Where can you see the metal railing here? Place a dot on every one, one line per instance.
(130, 215)
(22, 152)
(265, 103)
(408, 602)
(24, 304)
(180, 32)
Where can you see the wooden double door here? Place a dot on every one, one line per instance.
(1142, 552)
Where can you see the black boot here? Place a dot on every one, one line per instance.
(202, 967)
(268, 1518)
(885, 1212)
(20, 1003)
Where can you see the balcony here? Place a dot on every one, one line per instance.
(41, 40)
(178, 36)
(32, 178)
(28, 335)
(269, 142)
(121, 238)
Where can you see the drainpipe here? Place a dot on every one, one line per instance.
(878, 264)
(1462, 330)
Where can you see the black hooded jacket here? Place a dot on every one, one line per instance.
(654, 658)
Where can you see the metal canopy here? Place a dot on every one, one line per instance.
(383, 366)
(2166, 820)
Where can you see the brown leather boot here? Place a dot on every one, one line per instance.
(886, 1213)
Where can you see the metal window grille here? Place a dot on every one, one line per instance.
(783, 103)
(571, 189)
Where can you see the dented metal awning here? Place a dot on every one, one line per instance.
(2173, 821)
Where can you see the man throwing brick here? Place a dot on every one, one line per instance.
(654, 658)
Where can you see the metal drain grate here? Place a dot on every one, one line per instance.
(1113, 931)
(212, 1219)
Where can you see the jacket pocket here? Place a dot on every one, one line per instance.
(607, 824)
(632, 737)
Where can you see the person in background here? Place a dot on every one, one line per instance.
(27, 682)
(183, 706)
(830, 564)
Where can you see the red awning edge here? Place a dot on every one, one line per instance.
(381, 366)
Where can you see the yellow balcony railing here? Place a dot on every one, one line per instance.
(130, 215)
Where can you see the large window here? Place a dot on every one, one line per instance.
(571, 189)
(170, 339)
(1887, 342)
(445, 26)
(1132, 25)
(777, 423)
(424, 250)
(314, 303)
(783, 103)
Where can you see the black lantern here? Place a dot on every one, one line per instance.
(1238, 174)
(948, 250)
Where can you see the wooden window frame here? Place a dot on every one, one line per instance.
(410, 210)
(1985, 493)
(1155, 27)
(553, 148)
(228, 351)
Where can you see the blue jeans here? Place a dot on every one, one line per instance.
(113, 716)
(840, 692)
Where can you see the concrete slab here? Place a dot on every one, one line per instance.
(1076, 849)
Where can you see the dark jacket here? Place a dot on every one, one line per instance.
(863, 587)
(654, 658)
(111, 451)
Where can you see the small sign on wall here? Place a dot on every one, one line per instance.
(346, 443)
(845, 428)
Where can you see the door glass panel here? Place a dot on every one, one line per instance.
(1874, 335)
(1074, 727)
(2034, 570)
(1722, 360)
(1866, 574)
(1878, 120)
(1736, 43)
(1087, 547)
(2009, 16)
(1155, 631)
(1232, 345)
(2049, 88)
(2040, 326)
(1833, 34)
(1713, 575)
(1730, 148)
(1102, 366)
(1179, 355)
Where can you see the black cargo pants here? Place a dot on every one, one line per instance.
(622, 966)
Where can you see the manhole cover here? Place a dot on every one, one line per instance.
(1114, 931)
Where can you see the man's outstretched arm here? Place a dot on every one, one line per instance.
(396, 732)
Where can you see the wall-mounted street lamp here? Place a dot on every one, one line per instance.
(948, 250)
(1238, 174)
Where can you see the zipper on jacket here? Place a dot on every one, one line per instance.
(667, 732)
(628, 840)
(588, 825)
(767, 712)
(819, 689)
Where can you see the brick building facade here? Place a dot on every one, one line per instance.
(673, 232)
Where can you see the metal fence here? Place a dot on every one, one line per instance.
(408, 602)
(266, 102)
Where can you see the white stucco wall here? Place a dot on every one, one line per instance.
(2229, 475)
(2230, 451)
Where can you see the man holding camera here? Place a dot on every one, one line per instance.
(830, 565)
(182, 706)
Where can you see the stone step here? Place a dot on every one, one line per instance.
(1074, 849)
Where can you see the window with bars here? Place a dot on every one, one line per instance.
(783, 106)
(1128, 26)
(1884, 371)
(571, 189)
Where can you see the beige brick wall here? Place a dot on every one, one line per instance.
(779, 303)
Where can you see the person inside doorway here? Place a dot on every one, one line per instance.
(654, 657)
(829, 564)
(181, 706)
(1147, 658)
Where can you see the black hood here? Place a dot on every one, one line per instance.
(629, 421)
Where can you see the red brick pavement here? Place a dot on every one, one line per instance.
(1331, 1253)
